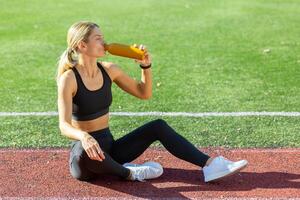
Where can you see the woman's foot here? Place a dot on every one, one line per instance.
(148, 170)
(220, 167)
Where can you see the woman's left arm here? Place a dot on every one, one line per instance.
(141, 89)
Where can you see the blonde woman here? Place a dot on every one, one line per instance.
(84, 97)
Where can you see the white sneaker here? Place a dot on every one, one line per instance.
(147, 170)
(221, 167)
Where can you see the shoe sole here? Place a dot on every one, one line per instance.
(226, 174)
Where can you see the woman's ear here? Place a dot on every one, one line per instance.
(82, 46)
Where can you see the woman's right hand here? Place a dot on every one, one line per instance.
(92, 148)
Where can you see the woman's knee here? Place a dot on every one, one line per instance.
(78, 171)
(160, 123)
(158, 128)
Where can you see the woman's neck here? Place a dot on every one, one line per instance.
(88, 67)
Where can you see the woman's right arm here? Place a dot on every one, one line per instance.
(66, 88)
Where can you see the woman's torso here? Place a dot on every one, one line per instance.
(95, 84)
(92, 125)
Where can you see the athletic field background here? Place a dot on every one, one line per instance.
(208, 56)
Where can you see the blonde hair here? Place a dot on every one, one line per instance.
(80, 31)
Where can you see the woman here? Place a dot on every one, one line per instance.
(84, 97)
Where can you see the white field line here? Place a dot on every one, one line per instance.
(170, 114)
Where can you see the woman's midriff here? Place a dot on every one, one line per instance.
(92, 125)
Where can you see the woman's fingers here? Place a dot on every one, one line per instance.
(141, 47)
(147, 58)
(88, 152)
(96, 155)
(92, 148)
(100, 152)
(93, 154)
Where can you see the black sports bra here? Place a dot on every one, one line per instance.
(87, 104)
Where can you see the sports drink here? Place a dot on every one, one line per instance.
(123, 50)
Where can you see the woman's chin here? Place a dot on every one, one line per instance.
(102, 53)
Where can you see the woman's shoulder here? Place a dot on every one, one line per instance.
(68, 75)
(67, 79)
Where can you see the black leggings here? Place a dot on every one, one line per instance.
(128, 148)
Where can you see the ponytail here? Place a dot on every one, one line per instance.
(66, 62)
(79, 31)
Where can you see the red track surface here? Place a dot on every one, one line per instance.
(44, 173)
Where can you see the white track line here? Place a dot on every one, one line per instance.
(170, 114)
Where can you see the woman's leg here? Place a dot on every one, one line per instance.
(76, 164)
(84, 168)
(132, 145)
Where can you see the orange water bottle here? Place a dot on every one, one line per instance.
(123, 50)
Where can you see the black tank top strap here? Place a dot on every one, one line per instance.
(105, 75)
(77, 76)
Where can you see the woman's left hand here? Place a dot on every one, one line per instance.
(147, 59)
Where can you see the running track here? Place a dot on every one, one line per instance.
(44, 174)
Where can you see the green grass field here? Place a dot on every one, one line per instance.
(208, 56)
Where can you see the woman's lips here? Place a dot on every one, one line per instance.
(105, 46)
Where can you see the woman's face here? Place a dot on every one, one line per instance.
(95, 44)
